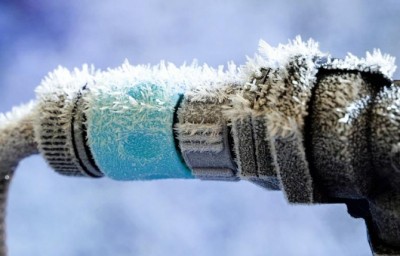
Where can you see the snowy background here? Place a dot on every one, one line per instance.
(53, 215)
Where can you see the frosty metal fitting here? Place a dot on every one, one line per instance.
(60, 123)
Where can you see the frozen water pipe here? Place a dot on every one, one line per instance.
(322, 130)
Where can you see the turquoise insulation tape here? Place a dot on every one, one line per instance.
(131, 136)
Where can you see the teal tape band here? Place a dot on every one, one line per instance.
(130, 133)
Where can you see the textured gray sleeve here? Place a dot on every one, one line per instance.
(353, 138)
(16, 143)
(204, 140)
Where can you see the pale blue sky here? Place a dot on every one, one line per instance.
(53, 215)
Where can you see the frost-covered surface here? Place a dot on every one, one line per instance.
(199, 82)
(269, 56)
(63, 81)
(16, 136)
(16, 143)
(278, 86)
(171, 218)
(56, 97)
(374, 62)
(15, 115)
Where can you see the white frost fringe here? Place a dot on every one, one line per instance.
(282, 100)
(283, 96)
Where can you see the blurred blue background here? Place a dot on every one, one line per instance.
(53, 215)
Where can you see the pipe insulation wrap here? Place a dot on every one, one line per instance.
(130, 132)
